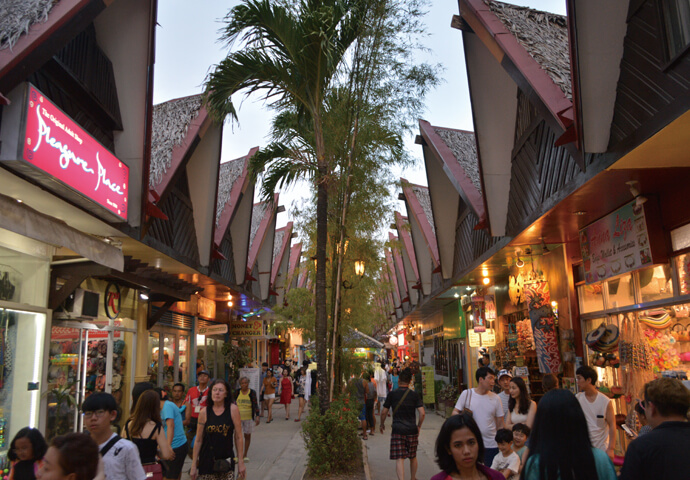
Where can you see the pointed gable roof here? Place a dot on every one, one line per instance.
(295, 256)
(233, 180)
(281, 246)
(176, 124)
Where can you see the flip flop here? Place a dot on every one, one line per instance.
(296, 419)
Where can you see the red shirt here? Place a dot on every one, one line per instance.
(196, 399)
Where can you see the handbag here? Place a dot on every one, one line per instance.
(466, 410)
(154, 471)
(221, 465)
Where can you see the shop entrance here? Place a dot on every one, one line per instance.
(168, 357)
(86, 357)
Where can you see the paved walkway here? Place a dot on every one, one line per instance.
(277, 450)
(378, 448)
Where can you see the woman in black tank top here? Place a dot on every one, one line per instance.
(144, 429)
(218, 424)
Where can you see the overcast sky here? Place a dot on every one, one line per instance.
(187, 47)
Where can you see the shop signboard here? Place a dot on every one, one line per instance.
(250, 328)
(214, 329)
(454, 325)
(428, 392)
(478, 313)
(474, 338)
(50, 147)
(254, 377)
(487, 338)
(621, 242)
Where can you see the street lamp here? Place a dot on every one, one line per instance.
(359, 268)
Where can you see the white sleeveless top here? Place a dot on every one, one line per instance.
(516, 417)
(595, 413)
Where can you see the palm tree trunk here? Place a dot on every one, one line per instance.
(321, 327)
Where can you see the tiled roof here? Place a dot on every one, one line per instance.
(545, 37)
(258, 212)
(170, 123)
(422, 194)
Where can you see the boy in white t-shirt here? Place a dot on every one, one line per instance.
(506, 460)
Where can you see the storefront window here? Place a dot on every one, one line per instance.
(655, 283)
(591, 297)
(683, 268)
(22, 336)
(621, 292)
(183, 374)
(154, 345)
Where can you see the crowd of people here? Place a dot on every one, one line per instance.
(489, 436)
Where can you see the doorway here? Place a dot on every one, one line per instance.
(168, 360)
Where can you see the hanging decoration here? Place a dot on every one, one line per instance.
(544, 327)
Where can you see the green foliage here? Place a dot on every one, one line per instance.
(237, 356)
(299, 309)
(331, 439)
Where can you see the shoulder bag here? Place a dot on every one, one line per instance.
(401, 401)
(466, 410)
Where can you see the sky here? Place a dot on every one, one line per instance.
(187, 47)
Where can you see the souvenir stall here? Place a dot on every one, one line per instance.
(634, 304)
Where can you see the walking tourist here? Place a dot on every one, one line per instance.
(300, 390)
(195, 401)
(178, 394)
(504, 378)
(359, 386)
(549, 382)
(598, 411)
(369, 402)
(460, 451)
(286, 392)
(560, 446)
(269, 391)
(100, 410)
(405, 404)
(395, 371)
(247, 403)
(521, 408)
(663, 452)
(486, 408)
(381, 378)
(219, 423)
(145, 429)
(26, 453)
(70, 457)
(174, 432)
(262, 400)
(506, 460)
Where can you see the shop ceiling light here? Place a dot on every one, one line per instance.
(457, 295)
(519, 263)
(230, 303)
(486, 280)
(144, 295)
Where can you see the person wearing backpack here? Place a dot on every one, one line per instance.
(120, 456)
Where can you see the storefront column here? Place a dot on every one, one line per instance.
(141, 373)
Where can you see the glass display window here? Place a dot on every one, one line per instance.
(22, 341)
(655, 283)
(168, 352)
(591, 297)
(621, 292)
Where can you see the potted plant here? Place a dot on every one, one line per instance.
(447, 397)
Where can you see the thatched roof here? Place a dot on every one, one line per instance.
(464, 148)
(545, 37)
(170, 123)
(17, 16)
(258, 212)
(424, 198)
(227, 176)
(278, 243)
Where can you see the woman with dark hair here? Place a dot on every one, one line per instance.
(286, 392)
(460, 451)
(145, 429)
(26, 453)
(268, 389)
(521, 408)
(218, 423)
(70, 457)
(560, 448)
(395, 372)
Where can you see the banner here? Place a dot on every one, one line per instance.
(428, 391)
(543, 323)
(617, 243)
(254, 376)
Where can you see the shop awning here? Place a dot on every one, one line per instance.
(24, 220)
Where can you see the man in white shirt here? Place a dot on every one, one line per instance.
(598, 410)
(504, 377)
(487, 410)
(121, 459)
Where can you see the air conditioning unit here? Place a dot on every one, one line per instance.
(80, 304)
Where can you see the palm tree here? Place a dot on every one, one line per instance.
(292, 53)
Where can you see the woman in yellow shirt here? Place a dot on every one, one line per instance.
(247, 401)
